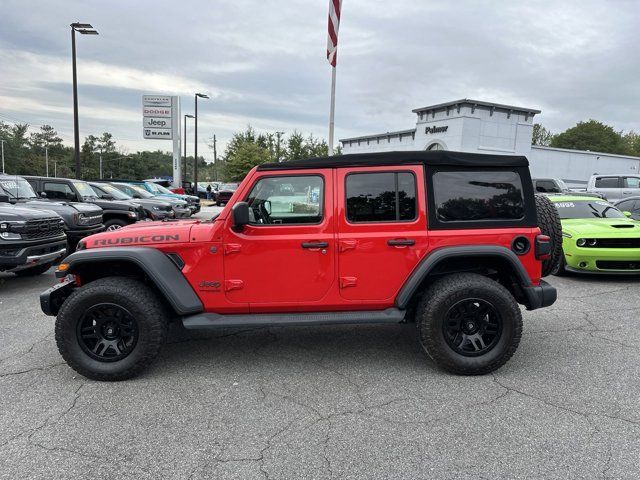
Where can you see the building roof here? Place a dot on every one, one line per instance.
(478, 103)
(380, 135)
(426, 157)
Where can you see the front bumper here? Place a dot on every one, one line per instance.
(79, 233)
(603, 260)
(52, 299)
(544, 295)
(182, 212)
(32, 255)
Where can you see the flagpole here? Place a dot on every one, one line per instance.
(332, 109)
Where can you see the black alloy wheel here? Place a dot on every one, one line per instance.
(107, 332)
(472, 327)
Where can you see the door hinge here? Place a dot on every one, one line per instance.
(232, 248)
(346, 282)
(347, 245)
(233, 285)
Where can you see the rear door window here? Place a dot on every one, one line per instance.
(607, 182)
(60, 191)
(381, 197)
(632, 182)
(467, 196)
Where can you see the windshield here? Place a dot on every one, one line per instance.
(587, 209)
(161, 189)
(85, 190)
(139, 191)
(229, 186)
(154, 188)
(113, 191)
(17, 188)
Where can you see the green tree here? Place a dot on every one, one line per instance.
(632, 143)
(243, 158)
(591, 135)
(541, 136)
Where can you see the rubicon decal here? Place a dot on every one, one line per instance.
(103, 242)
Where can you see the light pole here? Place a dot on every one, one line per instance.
(2, 142)
(278, 135)
(46, 158)
(84, 29)
(185, 145)
(195, 149)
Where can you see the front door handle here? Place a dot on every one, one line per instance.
(401, 242)
(314, 244)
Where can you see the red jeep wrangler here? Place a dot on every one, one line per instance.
(450, 241)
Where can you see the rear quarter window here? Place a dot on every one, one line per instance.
(607, 182)
(478, 196)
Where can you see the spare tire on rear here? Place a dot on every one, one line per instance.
(549, 224)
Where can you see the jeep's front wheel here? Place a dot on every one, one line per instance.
(469, 324)
(111, 329)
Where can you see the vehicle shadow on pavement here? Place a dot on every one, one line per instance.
(367, 345)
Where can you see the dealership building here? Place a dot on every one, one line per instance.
(492, 128)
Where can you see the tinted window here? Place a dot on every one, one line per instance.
(464, 196)
(607, 182)
(547, 186)
(632, 182)
(381, 197)
(59, 191)
(587, 209)
(286, 200)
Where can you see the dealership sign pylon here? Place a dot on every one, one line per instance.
(161, 121)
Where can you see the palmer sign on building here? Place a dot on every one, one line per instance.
(483, 127)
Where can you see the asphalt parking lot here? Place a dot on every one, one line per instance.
(331, 402)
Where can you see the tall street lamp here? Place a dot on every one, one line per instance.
(84, 29)
(195, 149)
(185, 145)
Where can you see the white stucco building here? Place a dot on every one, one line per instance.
(484, 127)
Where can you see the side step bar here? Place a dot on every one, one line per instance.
(214, 320)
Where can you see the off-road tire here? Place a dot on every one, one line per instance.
(128, 293)
(114, 224)
(549, 224)
(33, 271)
(443, 295)
(561, 270)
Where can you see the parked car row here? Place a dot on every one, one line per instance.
(44, 218)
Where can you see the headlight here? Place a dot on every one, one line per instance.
(10, 235)
(157, 209)
(133, 214)
(4, 227)
(581, 242)
(80, 218)
(592, 242)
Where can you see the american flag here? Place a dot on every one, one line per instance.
(334, 24)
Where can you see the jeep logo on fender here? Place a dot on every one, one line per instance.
(103, 242)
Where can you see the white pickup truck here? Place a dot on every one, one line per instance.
(615, 187)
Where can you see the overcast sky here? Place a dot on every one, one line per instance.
(263, 63)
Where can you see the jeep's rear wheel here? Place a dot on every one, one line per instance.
(111, 329)
(469, 324)
(549, 224)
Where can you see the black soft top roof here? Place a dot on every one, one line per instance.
(427, 157)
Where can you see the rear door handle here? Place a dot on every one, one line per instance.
(401, 242)
(314, 244)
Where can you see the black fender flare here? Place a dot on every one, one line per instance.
(428, 263)
(160, 269)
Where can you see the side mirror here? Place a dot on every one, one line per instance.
(43, 194)
(240, 213)
(627, 214)
(4, 198)
(108, 197)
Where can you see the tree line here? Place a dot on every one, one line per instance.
(26, 152)
(589, 135)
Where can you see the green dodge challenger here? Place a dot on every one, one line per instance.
(597, 237)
